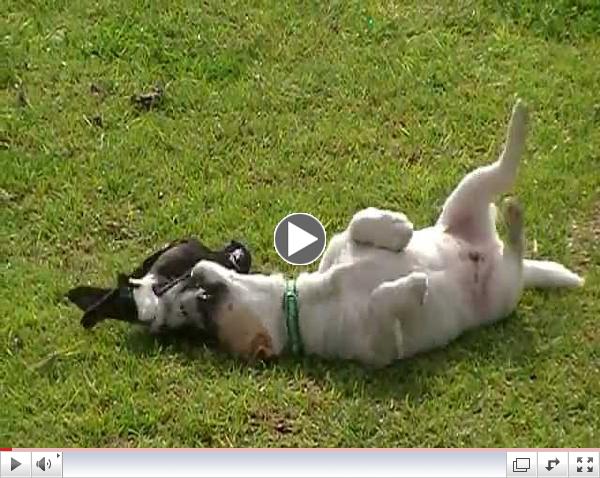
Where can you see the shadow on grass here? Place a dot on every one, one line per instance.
(506, 344)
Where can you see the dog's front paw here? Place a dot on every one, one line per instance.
(419, 284)
(208, 274)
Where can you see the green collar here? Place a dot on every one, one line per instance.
(292, 312)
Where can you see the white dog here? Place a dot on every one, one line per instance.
(385, 292)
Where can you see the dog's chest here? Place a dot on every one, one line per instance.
(347, 331)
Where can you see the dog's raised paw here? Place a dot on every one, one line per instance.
(207, 274)
(520, 114)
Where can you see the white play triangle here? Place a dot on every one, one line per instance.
(298, 239)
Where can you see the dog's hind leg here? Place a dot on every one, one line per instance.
(389, 303)
(468, 212)
(515, 243)
(542, 274)
(380, 228)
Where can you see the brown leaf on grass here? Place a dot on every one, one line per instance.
(283, 427)
(150, 99)
(278, 421)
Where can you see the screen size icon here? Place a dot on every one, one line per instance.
(521, 465)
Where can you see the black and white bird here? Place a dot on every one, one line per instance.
(167, 274)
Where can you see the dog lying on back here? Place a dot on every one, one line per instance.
(167, 271)
(384, 291)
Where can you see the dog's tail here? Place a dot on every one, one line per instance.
(547, 275)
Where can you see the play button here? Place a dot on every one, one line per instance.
(299, 239)
(15, 464)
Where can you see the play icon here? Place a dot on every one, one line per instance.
(299, 239)
(15, 464)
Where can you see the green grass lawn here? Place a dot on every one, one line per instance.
(270, 108)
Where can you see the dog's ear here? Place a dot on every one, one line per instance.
(261, 348)
(84, 296)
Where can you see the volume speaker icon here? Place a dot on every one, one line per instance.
(43, 463)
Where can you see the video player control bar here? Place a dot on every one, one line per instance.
(266, 463)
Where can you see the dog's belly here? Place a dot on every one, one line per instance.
(468, 285)
(458, 299)
(473, 286)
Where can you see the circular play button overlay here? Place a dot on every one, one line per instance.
(299, 239)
